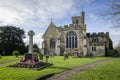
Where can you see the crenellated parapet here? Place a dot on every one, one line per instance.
(77, 23)
(98, 39)
(72, 27)
(99, 34)
(78, 19)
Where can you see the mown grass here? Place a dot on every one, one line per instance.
(107, 71)
(58, 65)
(8, 58)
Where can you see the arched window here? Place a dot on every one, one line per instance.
(52, 43)
(93, 48)
(71, 40)
(95, 40)
(76, 21)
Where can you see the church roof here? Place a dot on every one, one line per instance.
(50, 25)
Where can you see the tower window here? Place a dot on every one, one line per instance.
(95, 40)
(76, 21)
(71, 40)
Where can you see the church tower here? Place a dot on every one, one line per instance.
(78, 20)
(82, 14)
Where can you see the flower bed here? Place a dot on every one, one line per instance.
(36, 65)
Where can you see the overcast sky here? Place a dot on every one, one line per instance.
(36, 15)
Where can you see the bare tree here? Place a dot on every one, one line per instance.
(117, 48)
(112, 13)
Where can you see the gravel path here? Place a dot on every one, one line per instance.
(68, 73)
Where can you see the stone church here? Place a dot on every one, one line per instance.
(74, 39)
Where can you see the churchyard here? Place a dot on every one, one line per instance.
(107, 71)
(59, 65)
(28, 66)
(5, 59)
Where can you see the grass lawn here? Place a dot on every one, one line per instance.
(107, 71)
(8, 58)
(58, 65)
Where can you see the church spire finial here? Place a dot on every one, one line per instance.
(82, 8)
(51, 20)
(52, 23)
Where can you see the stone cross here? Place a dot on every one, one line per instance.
(31, 34)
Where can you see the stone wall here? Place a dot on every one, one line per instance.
(51, 33)
(100, 50)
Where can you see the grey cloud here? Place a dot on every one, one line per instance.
(33, 12)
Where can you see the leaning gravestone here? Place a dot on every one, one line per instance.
(52, 54)
(30, 59)
(76, 52)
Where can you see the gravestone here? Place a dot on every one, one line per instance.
(41, 56)
(51, 54)
(65, 55)
(47, 56)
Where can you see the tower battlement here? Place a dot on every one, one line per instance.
(78, 19)
(99, 34)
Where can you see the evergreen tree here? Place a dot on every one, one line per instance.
(11, 38)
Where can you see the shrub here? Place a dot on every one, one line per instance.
(16, 53)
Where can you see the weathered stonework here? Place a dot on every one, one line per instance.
(75, 39)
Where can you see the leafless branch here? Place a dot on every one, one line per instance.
(112, 13)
